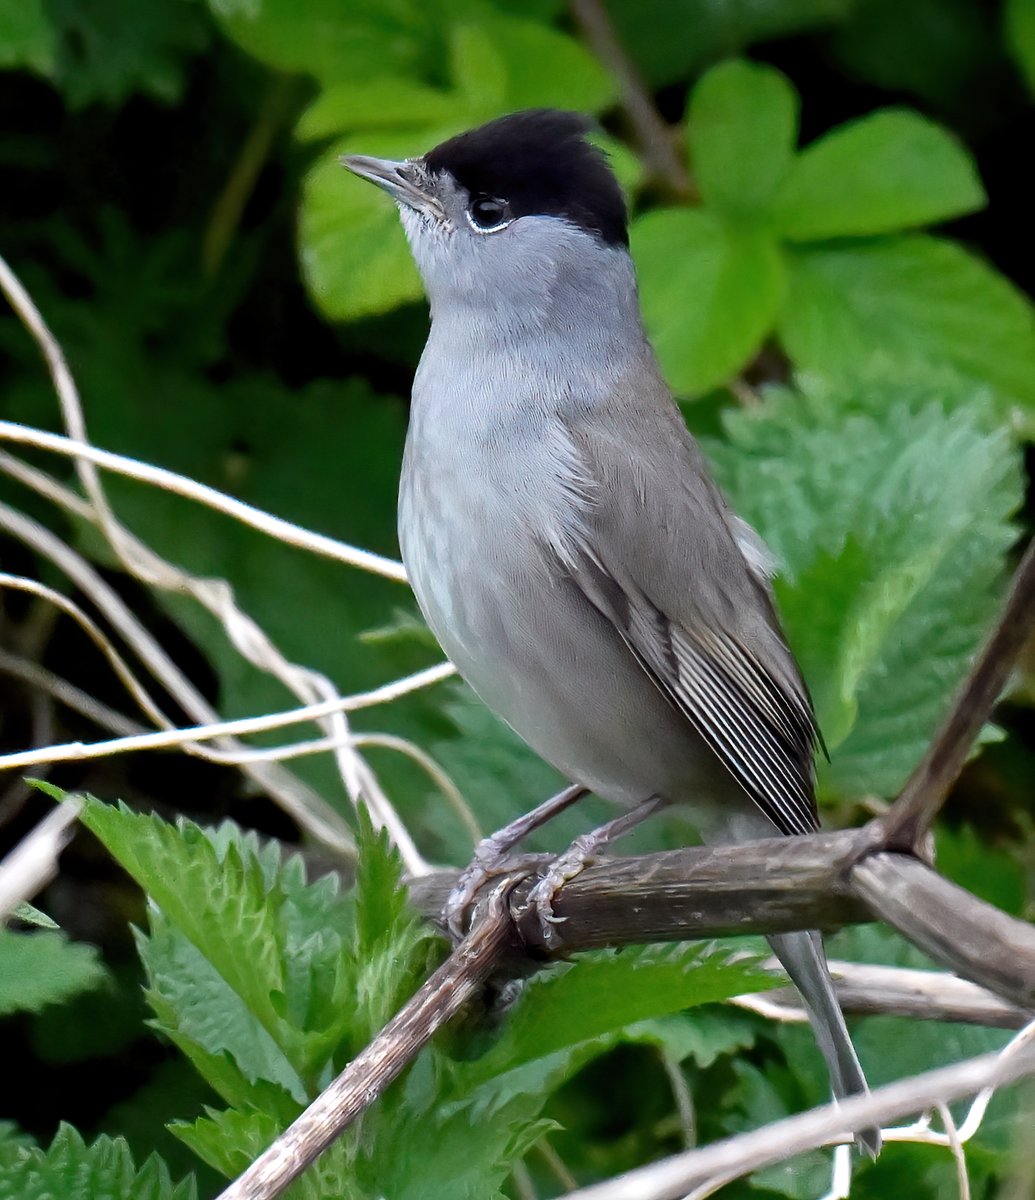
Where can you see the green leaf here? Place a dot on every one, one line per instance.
(387, 102)
(912, 302)
(71, 1170)
(331, 42)
(603, 992)
(43, 968)
(102, 57)
(27, 37)
(354, 254)
(710, 292)
(1019, 21)
(742, 128)
(889, 518)
(888, 171)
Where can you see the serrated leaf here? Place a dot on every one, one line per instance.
(913, 300)
(889, 518)
(71, 1170)
(710, 293)
(603, 992)
(43, 968)
(888, 171)
(742, 127)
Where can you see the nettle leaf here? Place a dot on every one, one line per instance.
(602, 993)
(710, 290)
(890, 521)
(888, 171)
(1020, 36)
(41, 968)
(72, 1170)
(742, 128)
(912, 300)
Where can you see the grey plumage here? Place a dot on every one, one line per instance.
(560, 529)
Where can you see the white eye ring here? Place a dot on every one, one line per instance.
(469, 214)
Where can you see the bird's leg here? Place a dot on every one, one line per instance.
(490, 855)
(580, 854)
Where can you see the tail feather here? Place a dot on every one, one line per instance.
(805, 962)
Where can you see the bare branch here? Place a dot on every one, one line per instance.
(32, 864)
(370, 1072)
(951, 924)
(864, 989)
(656, 140)
(907, 821)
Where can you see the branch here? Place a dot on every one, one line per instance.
(864, 989)
(909, 818)
(32, 864)
(368, 1075)
(654, 136)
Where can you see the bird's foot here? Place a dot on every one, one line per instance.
(580, 854)
(489, 862)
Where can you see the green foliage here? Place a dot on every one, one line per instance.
(72, 1170)
(889, 516)
(886, 477)
(269, 983)
(43, 968)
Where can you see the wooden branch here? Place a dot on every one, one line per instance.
(950, 924)
(865, 989)
(682, 1175)
(754, 887)
(903, 827)
(366, 1077)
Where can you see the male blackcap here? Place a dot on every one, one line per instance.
(559, 526)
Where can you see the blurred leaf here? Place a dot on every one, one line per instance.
(43, 968)
(887, 171)
(31, 915)
(104, 57)
(71, 1170)
(710, 293)
(1020, 36)
(915, 301)
(384, 103)
(879, 42)
(890, 520)
(742, 127)
(988, 871)
(27, 36)
(331, 42)
(672, 39)
(353, 251)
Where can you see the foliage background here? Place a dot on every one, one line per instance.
(839, 294)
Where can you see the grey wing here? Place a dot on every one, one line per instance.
(660, 558)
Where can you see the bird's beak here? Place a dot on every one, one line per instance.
(396, 178)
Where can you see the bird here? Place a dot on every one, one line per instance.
(564, 539)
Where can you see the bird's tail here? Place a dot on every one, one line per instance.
(804, 961)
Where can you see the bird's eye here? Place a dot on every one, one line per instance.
(487, 214)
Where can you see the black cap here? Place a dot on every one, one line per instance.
(539, 162)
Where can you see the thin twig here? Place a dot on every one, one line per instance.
(32, 864)
(699, 1173)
